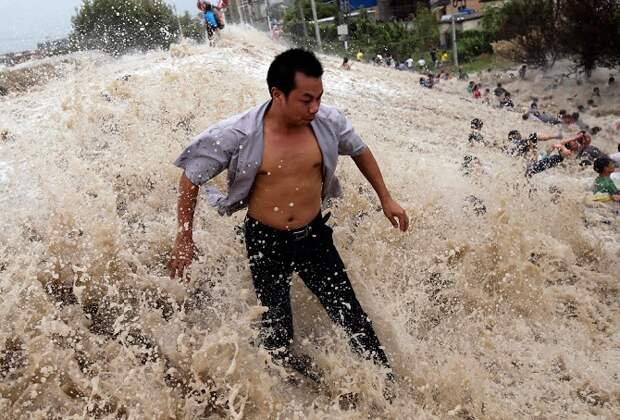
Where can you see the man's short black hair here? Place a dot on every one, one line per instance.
(281, 73)
(601, 163)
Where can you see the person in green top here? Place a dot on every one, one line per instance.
(604, 184)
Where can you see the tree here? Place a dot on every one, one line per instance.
(426, 28)
(532, 25)
(192, 27)
(589, 32)
(116, 26)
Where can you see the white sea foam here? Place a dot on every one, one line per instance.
(504, 305)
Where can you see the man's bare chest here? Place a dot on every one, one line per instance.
(291, 156)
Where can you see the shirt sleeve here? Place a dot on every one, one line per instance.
(349, 143)
(207, 156)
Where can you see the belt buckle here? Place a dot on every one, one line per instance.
(298, 235)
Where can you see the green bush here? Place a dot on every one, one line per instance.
(117, 26)
(471, 44)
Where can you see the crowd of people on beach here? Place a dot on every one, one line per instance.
(570, 137)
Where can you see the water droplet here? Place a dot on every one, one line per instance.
(279, 166)
(276, 209)
(291, 204)
(268, 173)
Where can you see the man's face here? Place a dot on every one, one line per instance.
(609, 169)
(304, 100)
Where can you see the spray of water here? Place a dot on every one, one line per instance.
(501, 301)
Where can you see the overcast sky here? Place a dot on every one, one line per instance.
(23, 23)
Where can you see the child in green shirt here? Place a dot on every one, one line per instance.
(604, 184)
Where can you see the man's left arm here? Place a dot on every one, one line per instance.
(368, 166)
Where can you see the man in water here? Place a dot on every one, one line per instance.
(499, 91)
(603, 184)
(281, 158)
(217, 6)
(565, 149)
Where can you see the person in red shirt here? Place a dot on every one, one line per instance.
(476, 92)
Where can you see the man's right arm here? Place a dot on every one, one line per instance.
(206, 157)
(183, 251)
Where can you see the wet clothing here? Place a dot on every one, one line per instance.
(520, 147)
(237, 144)
(210, 19)
(605, 185)
(499, 91)
(506, 103)
(543, 164)
(475, 137)
(543, 117)
(274, 256)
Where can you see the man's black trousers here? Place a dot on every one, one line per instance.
(274, 256)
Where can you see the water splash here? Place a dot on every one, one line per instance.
(504, 305)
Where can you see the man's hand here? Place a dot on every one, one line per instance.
(395, 214)
(182, 256)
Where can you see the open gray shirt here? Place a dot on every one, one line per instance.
(237, 144)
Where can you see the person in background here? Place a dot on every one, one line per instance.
(345, 64)
(486, 97)
(217, 7)
(211, 24)
(499, 91)
(477, 93)
(445, 57)
(421, 64)
(434, 56)
(522, 72)
(506, 101)
(470, 87)
(359, 56)
(603, 184)
(475, 136)
(565, 149)
(540, 116)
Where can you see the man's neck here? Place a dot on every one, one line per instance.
(273, 118)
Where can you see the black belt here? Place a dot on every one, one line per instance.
(294, 235)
